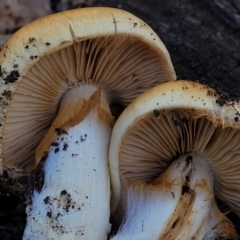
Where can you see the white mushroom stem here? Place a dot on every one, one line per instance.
(73, 202)
(177, 205)
(149, 208)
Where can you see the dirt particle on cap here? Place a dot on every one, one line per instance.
(236, 119)
(33, 57)
(82, 139)
(46, 200)
(65, 146)
(156, 113)
(63, 192)
(60, 131)
(7, 94)
(47, 44)
(56, 150)
(49, 214)
(54, 144)
(12, 77)
(211, 92)
(65, 200)
(31, 39)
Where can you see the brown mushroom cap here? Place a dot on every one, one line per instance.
(106, 47)
(174, 119)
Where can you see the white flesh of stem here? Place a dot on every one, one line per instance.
(149, 208)
(74, 200)
(152, 213)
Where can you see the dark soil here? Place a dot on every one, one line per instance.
(12, 209)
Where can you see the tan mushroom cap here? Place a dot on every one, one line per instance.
(172, 119)
(106, 47)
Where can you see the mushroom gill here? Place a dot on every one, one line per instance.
(110, 63)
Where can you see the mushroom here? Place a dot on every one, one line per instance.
(174, 150)
(59, 77)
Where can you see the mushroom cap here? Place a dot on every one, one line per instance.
(106, 47)
(174, 119)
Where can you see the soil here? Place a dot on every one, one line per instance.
(202, 38)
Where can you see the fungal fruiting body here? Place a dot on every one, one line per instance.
(178, 124)
(179, 204)
(62, 71)
(73, 202)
